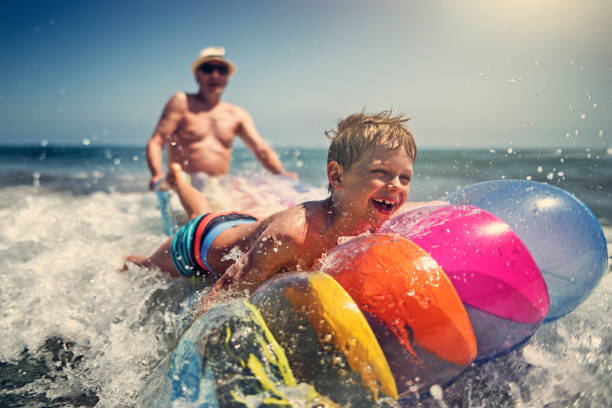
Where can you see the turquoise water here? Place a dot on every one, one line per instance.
(78, 333)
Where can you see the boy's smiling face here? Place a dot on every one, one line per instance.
(373, 189)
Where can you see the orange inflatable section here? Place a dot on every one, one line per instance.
(398, 283)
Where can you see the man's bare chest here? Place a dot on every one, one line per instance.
(204, 126)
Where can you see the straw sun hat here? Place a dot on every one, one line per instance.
(212, 54)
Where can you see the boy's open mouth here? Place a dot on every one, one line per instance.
(384, 206)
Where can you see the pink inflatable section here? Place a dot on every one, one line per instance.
(490, 267)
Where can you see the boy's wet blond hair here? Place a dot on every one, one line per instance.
(359, 132)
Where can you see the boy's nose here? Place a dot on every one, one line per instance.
(394, 182)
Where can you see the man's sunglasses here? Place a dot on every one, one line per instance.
(209, 68)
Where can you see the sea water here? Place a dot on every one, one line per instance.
(75, 331)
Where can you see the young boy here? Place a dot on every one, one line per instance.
(369, 169)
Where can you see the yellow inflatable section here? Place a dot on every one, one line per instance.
(326, 338)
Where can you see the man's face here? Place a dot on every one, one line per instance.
(212, 76)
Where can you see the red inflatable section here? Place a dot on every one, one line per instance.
(412, 306)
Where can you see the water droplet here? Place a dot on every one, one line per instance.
(436, 392)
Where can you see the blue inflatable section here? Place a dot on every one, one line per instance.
(562, 234)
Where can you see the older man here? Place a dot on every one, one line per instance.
(199, 129)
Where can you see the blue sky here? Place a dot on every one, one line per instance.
(471, 73)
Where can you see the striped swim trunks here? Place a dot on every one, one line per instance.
(192, 241)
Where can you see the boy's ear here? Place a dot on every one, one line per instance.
(334, 174)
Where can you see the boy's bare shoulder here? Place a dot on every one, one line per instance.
(294, 237)
(288, 223)
(296, 223)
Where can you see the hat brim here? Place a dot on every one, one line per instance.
(196, 64)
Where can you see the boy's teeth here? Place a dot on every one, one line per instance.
(388, 205)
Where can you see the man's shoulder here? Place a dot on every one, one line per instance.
(178, 101)
(233, 109)
(181, 96)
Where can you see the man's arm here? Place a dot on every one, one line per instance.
(251, 137)
(269, 255)
(167, 125)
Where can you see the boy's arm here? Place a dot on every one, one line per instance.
(269, 255)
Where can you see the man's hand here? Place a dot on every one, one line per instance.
(154, 180)
(290, 174)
